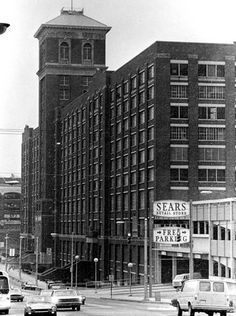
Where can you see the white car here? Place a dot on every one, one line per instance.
(67, 298)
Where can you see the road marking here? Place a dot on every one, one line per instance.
(99, 305)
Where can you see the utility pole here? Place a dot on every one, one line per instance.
(145, 260)
(72, 259)
(37, 261)
(6, 250)
(191, 268)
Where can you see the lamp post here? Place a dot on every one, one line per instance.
(76, 270)
(6, 250)
(72, 259)
(95, 272)
(3, 27)
(145, 260)
(130, 266)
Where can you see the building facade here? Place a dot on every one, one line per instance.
(10, 216)
(160, 127)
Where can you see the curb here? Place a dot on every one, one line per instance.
(132, 300)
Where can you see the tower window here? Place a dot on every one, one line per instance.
(64, 53)
(87, 52)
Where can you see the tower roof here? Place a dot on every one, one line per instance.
(73, 19)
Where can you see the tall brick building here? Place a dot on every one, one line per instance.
(160, 127)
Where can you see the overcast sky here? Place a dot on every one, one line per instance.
(136, 24)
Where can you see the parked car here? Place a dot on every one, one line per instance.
(67, 298)
(206, 295)
(16, 295)
(40, 305)
(179, 279)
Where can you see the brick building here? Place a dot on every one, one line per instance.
(160, 127)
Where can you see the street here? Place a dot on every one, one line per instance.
(103, 307)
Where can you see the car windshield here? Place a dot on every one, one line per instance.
(65, 293)
(39, 299)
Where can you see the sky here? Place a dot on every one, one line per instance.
(136, 24)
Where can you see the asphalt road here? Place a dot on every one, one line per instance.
(102, 307)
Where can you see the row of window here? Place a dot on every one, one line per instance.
(205, 154)
(65, 52)
(204, 175)
(204, 92)
(204, 70)
(135, 81)
(204, 133)
(204, 112)
(133, 178)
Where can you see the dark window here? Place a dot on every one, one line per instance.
(87, 52)
(64, 52)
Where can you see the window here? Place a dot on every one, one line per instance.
(211, 113)
(178, 174)
(126, 87)
(64, 80)
(211, 92)
(126, 124)
(150, 154)
(142, 156)
(142, 97)
(126, 179)
(133, 159)
(64, 94)
(211, 133)
(150, 72)
(179, 133)
(133, 178)
(141, 176)
(178, 111)
(151, 174)
(151, 133)
(125, 143)
(178, 69)
(211, 154)
(133, 83)
(150, 113)
(141, 78)
(179, 153)
(142, 117)
(126, 161)
(141, 197)
(64, 53)
(86, 81)
(118, 127)
(179, 91)
(211, 70)
(133, 200)
(126, 106)
(150, 93)
(133, 102)
(87, 52)
(133, 121)
(211, 175)
(133, 140)
(142, 137)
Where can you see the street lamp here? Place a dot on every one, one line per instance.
(6, 245)
(95, 270)
(130, 266)
(3, 27)
(76, 270)
(37, 260)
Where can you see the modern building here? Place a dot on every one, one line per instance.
(161, 127)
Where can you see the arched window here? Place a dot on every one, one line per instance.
(64, 53)
(87, 52)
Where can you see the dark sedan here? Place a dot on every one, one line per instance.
(40, 305)
(16, 295)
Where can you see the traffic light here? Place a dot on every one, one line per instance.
(129, 238)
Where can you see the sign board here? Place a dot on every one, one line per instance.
(111, 277)
(171, 208)
(171, 235)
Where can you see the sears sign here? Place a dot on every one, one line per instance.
(171, 208)
(171, 235)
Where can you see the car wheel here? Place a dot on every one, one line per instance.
(179, 310)
(223, 313)
(190, 310)
(78, 308)
(73, 308)
(7, 311)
